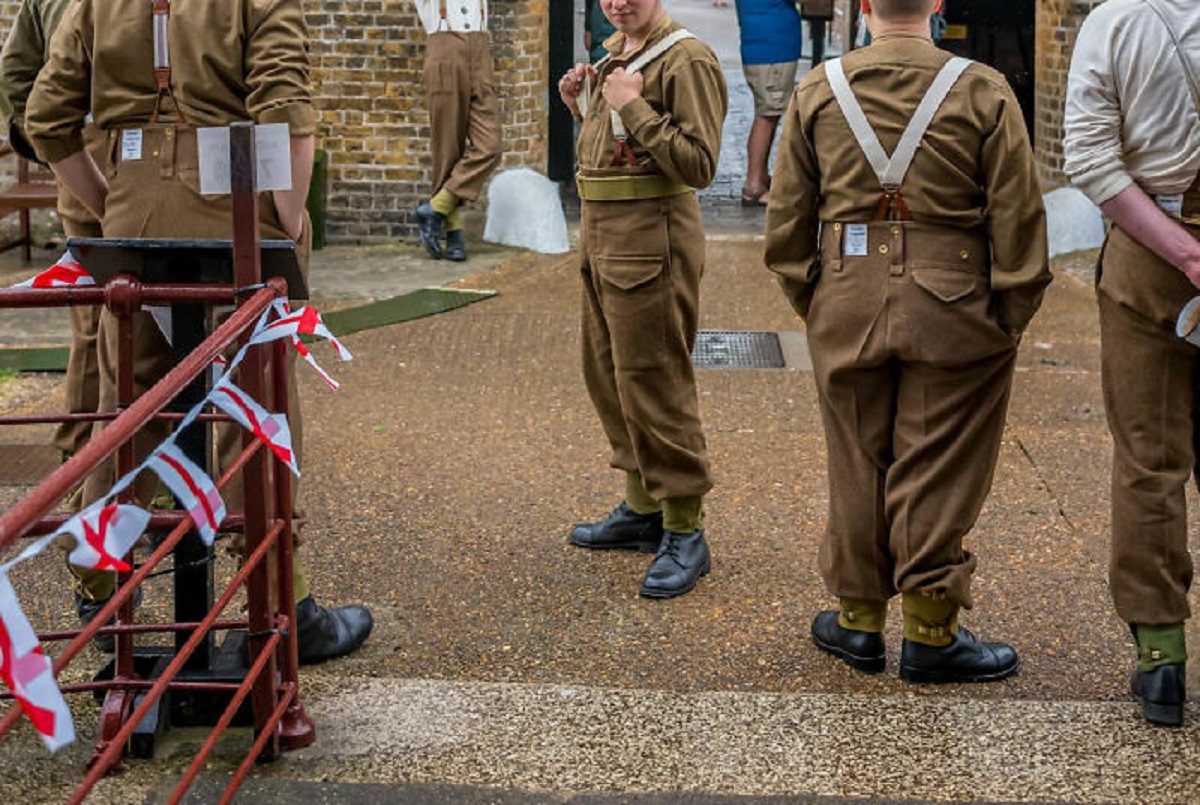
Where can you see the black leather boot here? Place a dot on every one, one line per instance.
(429, 227)
(622, 529)
(965, 659)
(323, 633)
(1162, 692)
(456, 249)
(862, 651)
(680, 562)
(88, 609)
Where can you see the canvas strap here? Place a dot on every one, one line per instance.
(892, 170)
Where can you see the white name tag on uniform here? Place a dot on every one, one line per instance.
(855, 241)
(1172, 205)
(272, 150)
(131, 144)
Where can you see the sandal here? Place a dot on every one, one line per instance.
(755, 198)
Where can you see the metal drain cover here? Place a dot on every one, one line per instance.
(733, 349)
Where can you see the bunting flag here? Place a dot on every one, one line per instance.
(66, 273)
(104, 535)
(305, 321)
(26, 671)
(272, 429)
(191, 485)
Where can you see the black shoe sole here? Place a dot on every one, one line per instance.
(632, 545)
(660, 595)
(919, 676)
(1163, 715)
(868, 665)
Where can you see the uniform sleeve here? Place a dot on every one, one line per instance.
(62, 95)
(685, 139)
(22, 57)
(277, 70)
(1015, 218)
(793, 225)
(1092, 121)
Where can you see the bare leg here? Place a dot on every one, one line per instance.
(758, 151)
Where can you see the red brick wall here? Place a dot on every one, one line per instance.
(1057, 26)
(367, 58)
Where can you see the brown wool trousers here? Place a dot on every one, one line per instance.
(1150, 379)
(913, 373)
(641, 264)
(155, 198)
(83, 368)
(464, 116)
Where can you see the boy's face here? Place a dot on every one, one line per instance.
(632, 16)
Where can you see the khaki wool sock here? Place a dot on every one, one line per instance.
(862, 615)
(929, 618)
(444, 202)
(683, 515)
(1160, 644)
(636, 496)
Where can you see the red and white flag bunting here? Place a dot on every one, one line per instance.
(293, 324)
(26, 671)
(272, 429)
(192, 486)
(66, 273)
(104, 535)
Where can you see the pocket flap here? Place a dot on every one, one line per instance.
(947, 285)
(628, 271)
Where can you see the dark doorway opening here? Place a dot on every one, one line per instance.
(998, 34)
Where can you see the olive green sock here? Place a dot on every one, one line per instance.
(299, 580)
(929, 618)
(636, 496)
(92, 584)
(454, 221)
(445, 202)
(1160, 644)
(862, 615)
(683, 515)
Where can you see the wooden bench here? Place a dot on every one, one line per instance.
(33, 189)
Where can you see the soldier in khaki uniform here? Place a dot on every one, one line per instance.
(916, 276)
(1133, 146)
(228, 61)
(24, 53)
(464, 124)
(651, 117)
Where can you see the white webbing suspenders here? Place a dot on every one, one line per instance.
(891, 170)
(161, 9)
(622, 153)
(444, 19)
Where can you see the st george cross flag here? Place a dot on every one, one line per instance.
(272, 429)
(192, 486)
(305, 321)
(103, 535)
(66, 273)
(26, 671)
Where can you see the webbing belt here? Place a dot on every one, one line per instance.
(628, 188)
(891, 170)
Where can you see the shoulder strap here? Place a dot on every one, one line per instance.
(1193, 81)
(650, 54)
(891, 170)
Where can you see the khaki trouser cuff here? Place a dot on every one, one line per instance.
(636, 496)
(929, 618)
(683, 515)
(92, 584)
(1160, 644)
(861, 615)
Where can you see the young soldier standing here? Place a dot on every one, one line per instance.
(915, 276)
(25, 51)
(464, 127)
(103, 62)
(1133, 146)
(651, 117)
